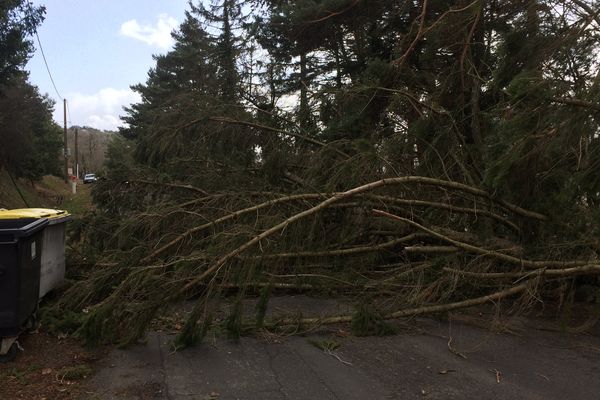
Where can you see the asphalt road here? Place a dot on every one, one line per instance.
(417, 364)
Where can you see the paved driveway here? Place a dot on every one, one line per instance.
(418, 364)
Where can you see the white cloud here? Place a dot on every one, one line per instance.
(158, 35)
(100, 110)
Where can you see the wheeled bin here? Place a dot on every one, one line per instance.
(21, 242)
(52, 273)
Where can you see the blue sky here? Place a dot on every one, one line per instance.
(96, 49)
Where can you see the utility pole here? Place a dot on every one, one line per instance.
(77, 153)
(66, 144)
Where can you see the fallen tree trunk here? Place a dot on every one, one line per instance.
(413, 312)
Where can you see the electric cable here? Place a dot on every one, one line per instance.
(17, 188)
(47, 67)
(69, 114)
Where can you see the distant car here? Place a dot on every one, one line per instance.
(89, 178)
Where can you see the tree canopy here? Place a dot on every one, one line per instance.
(19, 20)
(30, 141)
(501, 94)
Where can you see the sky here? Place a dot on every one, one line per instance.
(97, 49)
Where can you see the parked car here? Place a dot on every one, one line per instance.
(89, 178)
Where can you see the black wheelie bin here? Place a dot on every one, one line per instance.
(52, 272)
(21, 243)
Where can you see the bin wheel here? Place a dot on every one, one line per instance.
(11, 355)
(32, 323)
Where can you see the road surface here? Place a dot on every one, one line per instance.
(419, 363)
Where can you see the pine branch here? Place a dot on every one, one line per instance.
(537, 264)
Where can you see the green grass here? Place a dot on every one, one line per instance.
(9, 195)
(78, 204)
(50, 192)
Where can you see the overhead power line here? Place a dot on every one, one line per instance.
(65, 139)
(46, 63)
(68, 113)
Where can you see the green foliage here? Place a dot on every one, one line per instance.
(30, 141)
(195, 329)
(262, 304)
(99, 326)
(327, 345)
(75, 372)
(367, 321)
(323, 96)
(233, 323)
(19, 19)
(58, 321)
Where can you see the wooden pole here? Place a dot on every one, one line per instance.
(77, 153)
(66, 148)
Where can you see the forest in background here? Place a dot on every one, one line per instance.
(92, 145)
(411, 156)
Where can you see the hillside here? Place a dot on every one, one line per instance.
(21, 194)
(50, 192)
(92, 144)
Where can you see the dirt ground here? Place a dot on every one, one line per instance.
(48, 368)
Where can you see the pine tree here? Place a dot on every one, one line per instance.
(29, 140)
(18, 20)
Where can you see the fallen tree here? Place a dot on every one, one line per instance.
(352, 242)
(438, 157)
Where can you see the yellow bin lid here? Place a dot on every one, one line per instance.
(33, 213)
